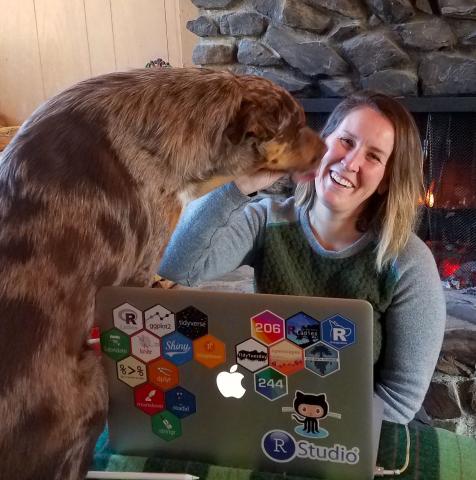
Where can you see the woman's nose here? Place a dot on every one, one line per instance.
(352, 161)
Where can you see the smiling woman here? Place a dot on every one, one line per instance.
(347, 233)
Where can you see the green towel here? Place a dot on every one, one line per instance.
(435, 454)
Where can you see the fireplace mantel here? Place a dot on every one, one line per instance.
(414, 104)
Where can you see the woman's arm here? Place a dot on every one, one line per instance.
(413, 327)
(215, 235)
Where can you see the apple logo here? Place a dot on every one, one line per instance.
(229, 384)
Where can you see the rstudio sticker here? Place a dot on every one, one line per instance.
(279, 446)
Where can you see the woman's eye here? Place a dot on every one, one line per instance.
(346, 141)
(375, 157)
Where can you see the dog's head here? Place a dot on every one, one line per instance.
(257, 125)
(274, 122)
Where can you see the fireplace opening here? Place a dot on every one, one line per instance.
(447, 221)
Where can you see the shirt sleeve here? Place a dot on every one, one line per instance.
(413, 329)
(215, 235)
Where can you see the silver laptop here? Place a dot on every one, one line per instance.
(265, 382)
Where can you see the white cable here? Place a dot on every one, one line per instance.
(140, 476)
(381, 472)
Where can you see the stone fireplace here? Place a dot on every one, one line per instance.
(423, 51)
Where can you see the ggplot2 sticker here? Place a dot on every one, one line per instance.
(159, 320)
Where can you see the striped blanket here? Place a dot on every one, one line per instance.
(436, 454)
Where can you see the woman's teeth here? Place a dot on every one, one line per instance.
(340, 180)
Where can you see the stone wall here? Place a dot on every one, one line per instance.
(329, 48)
(451, 398)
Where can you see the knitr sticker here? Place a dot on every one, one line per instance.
(303, 330)
(145, 346)
(251, 355)
(338, 331)
(267, 327)
(322, 359)
(286, 357)
(127, 318)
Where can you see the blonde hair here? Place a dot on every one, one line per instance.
(392, 215)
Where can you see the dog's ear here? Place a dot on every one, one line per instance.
(251, 120)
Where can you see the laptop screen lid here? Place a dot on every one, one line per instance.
(264, 382)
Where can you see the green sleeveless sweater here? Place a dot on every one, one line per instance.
(288, 265)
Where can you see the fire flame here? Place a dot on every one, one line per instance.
(429, 195)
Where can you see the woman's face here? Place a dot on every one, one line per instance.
(354, 165)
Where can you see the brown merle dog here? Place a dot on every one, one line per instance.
(90, 190)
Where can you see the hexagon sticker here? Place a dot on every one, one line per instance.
(286, 357)
(180, 402)
(177, 348)
(127, 318)
(145, 346)
(166, 425)
(149, 399)
(271, 384)
(322, 359)
(115, 344)
(191, 322)
(159, 320)
(252, 355)
(163, 374)
(131, 371)
(338, 331)
(303, 330)
(209, 351)
(267, 327)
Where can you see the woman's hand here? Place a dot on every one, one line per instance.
(257, 181)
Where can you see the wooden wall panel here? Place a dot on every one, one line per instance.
(187, 11)
(100, 36)
(143, 39)
(63, 43)
(174, 40)
(21, 85)
(48, 45)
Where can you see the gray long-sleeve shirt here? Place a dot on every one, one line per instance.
(223, 230)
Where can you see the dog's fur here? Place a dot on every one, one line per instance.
(89, 193)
